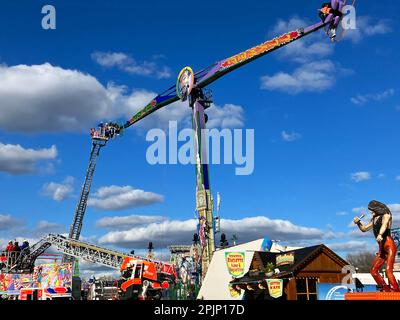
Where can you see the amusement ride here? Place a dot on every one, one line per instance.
(191, 87)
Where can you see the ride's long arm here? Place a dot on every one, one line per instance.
(162, 100)
(219, 69)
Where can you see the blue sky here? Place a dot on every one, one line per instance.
(325, 119)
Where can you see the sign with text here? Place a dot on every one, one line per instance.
(285, 259)
(235, 263)
(275, 287)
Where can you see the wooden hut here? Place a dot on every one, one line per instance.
(300, 271)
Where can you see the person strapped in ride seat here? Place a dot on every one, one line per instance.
(332, 11)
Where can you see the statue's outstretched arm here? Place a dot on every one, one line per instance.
(363, 228)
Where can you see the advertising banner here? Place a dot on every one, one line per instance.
(336, 291)
(45, 276)
(275, 287)
(235, 263)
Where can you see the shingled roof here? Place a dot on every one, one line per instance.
(301, 257)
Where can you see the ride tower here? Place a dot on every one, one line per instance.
(204, 200)
(199, 101)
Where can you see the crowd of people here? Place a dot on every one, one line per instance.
(106, 131)
(13, 250)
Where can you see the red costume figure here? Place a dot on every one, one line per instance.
(381, 223)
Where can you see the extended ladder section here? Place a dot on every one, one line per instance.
(76, 226)
(88, 252)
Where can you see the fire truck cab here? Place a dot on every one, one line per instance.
(143, 279)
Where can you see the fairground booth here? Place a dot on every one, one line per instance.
(303, 274)
(48, 282)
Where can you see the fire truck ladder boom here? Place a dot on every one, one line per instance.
(24, 262)
(76, 225)
(88, 252)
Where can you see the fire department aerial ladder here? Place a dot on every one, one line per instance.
(24, 262)
(76, 226)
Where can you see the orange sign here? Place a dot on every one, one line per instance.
(260, 49)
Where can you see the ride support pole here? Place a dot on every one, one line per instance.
(204, 202)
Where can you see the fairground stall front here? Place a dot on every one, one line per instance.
(48, 282)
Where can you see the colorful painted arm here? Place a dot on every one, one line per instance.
(217, 70)
(162, 100)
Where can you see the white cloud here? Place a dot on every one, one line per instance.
(59, 191)
(290, 137)
(373, 97)
(127, 222)
(342, 213)
(45, 99)
(248, 228)
(161, 234)
(127, 63)
(308, 49)
(15, 159)
(352, 246)
(315, 74)
(395, 209)
(367, 27)
(358, 210)
(181, 232)
(358, 234)
(311, 77)
(88, 269)
(111, 59)
(229, 116)
(360, 176)
(8, 222)
(45, 227)
(120, 198)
